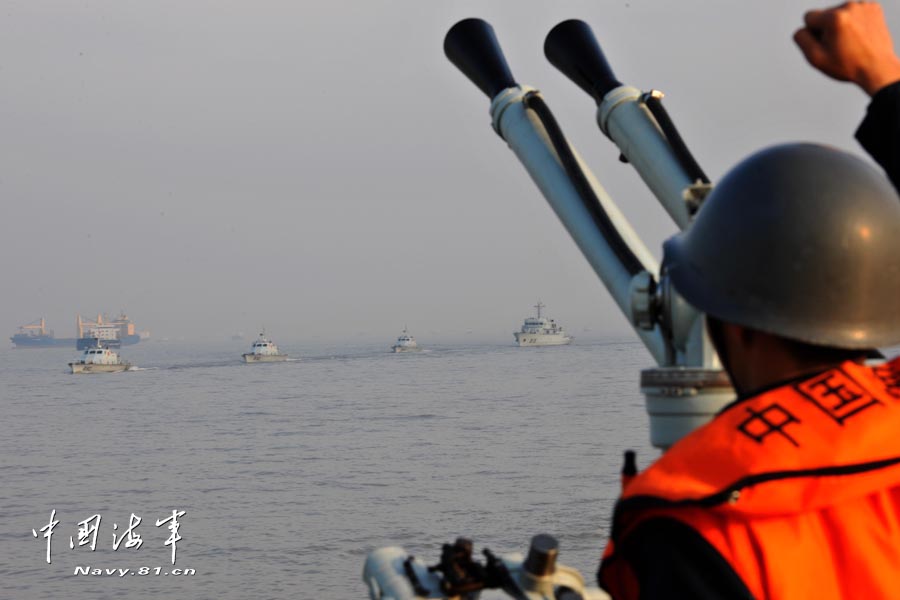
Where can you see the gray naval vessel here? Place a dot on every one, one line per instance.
(541, 331)
(405, 343)
(264, 350)
(99, 359)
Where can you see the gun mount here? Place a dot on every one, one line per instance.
(687, 387)
(392, 574)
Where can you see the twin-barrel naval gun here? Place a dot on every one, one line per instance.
(687, 386)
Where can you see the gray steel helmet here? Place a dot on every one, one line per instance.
(798, 240)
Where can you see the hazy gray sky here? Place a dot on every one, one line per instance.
(320, 168)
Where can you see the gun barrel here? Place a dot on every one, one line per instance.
(626, 115)
(472, 46)
(572, 48)
(520, 116)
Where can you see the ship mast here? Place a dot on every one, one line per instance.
(539, 306)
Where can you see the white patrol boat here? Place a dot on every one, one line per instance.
(98, 359)
(541, 331)
(405, 343)
(264, 350)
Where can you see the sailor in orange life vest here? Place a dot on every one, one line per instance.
(793, 490)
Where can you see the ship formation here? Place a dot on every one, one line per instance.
(104, 332)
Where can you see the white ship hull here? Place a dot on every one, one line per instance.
(541, 339)
(79, 367)
(260, 358)
(405, 348)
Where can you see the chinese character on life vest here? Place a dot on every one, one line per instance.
(837, 395)
(772, 419)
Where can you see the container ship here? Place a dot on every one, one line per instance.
(36, 335)
(106, 333)
(103, 332)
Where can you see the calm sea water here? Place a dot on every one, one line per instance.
(290, 473)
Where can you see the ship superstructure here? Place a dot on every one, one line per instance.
(541, 331)
(108, 333)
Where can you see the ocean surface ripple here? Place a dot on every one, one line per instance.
(289, 473)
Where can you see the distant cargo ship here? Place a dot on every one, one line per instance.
(36, 335)
(107, 334)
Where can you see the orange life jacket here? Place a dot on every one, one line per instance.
(797, 488)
